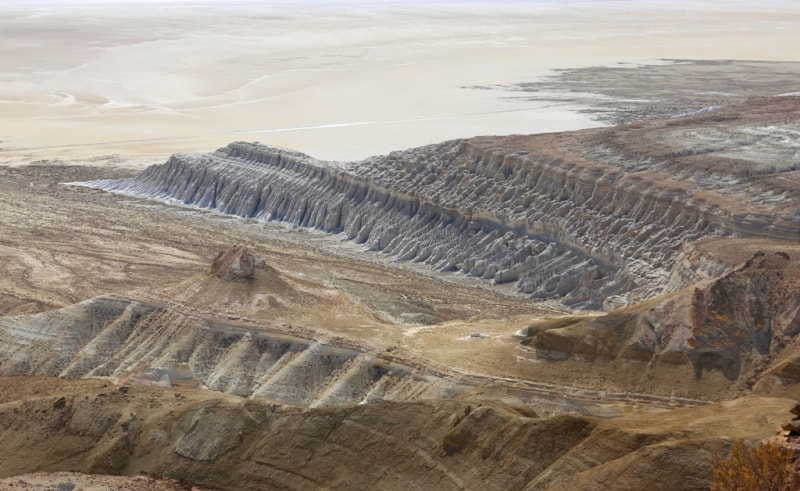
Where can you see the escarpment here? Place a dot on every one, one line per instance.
(258, 182)
(592, 218)
(225, 442)
(149, 343)
(722, 336)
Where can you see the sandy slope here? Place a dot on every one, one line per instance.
(64, 244)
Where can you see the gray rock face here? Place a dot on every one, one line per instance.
(589, 230)
(147, 343)
(144, 342)
(253, 181)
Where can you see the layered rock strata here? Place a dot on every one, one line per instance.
(225, 442)
(130, 340)
(145, 342)
(587, 217)
(725, 334)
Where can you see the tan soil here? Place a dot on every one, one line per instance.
(64, 244)
(64, 481)
(219, 441)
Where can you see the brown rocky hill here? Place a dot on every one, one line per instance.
(240, 284)
(718, 338)
(237, 263)
(220, 441)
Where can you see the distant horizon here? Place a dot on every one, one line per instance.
(337, 79)
(724, 5)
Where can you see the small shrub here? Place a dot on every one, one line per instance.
(764, 467)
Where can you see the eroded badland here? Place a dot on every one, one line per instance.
(430, 319)
(607, 308)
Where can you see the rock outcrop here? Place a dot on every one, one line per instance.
(149, 343)
(731, 331)
(236, 263)
(225, 442)
(146, 342)
(793, 427)
(592, 218)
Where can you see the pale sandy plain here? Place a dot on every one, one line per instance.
(334, 81)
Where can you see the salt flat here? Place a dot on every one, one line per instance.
(334, 81)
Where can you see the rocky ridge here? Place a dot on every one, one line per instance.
(130, 340)
(146, 342)
(737, 331)
(594, 218)
(220, 441)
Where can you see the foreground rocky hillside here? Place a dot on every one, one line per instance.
(226, 442)
(592, 218)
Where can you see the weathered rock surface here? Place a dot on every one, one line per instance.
(236, 263)
(592, 217)
(225, 442)
(145, 342)
(129, 340)
(77, 481)
(739, 327)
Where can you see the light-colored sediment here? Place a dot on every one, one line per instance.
(334, 82)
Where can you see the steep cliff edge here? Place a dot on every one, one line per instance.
(253, 181)
(720, 337)
(592, 218)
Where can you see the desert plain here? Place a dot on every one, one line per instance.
(602, 300)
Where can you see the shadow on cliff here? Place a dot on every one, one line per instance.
(729, 331)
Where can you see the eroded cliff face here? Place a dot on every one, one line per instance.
(264, 183)
(592, 218)
(721, 335)
(136, 341)
(226, 442)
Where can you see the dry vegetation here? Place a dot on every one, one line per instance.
(763, 467)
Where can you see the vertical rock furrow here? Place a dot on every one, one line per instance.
(252, 181)
(355, 380)
(508, 214)
(134, 342)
